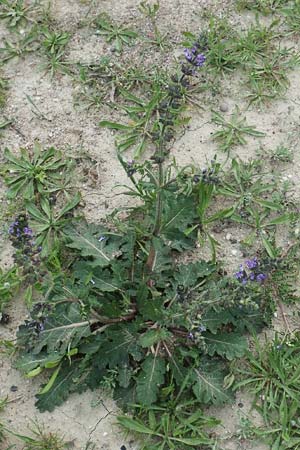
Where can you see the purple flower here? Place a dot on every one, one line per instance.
(240, 274)
(101, 238)
(200, 60)
(190, 335)
(27, 231)
(252, 263)
(193, 57)
(252, 276)
(188, 54)
(261, 277)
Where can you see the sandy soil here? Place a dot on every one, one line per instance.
(90, 417)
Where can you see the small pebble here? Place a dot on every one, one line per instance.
(223, 107)
(14, 388)
(105, 434)
(234, 252)
(228, 236)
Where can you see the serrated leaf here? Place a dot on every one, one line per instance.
(149, 379)
(189, 274)
(28, 361)
(208, 386)
(214, 320)
(64, 327)
(99, 278)
(228, 345)
(118, 345)
(151, 337)
(61, 388)
(102, 250)
(125, 376)
(160, 258)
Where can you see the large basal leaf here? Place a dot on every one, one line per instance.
(179, 213)
(63, 329)
(188, 275)
(99, 246)
(228, 345)
(208, 383)
(149, 379)
(99, 278)
(119, 344)
(214, 320)
(63, 385)
(28, 361)
(160, 258)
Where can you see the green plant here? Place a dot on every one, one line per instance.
(18, 48)
(103, 82)
(233, 131)
(257, 41)
(56, 64)
(15, 12)
(170, 427)
(292, 17)
(282, 154)
(119, 35)
(272, 374)
(247, 186)
(48, 223)
(271, 72)
(264, 6)
(35, 173)
(42, 440)
(54, 41)
(3, 90)
(150, 11)
(10, 282)
(141, 126)
(207, 190)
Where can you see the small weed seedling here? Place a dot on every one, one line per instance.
(49, 223)
(282, 154)
(41, 440)
(119, 35)
(15, 12)
(272, 374)
(271, 72)
(3, 91)
(150, 11)
(263, 6)
(54, 41)
(292, 17)
(17, 48)
(169, 427)
(10, 281)
(256, 42)
(233, 131)
(35, 174)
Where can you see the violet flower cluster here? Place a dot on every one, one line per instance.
(195, 56)
(22, 238)
(250, 273)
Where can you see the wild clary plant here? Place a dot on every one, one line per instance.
(127, 311)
